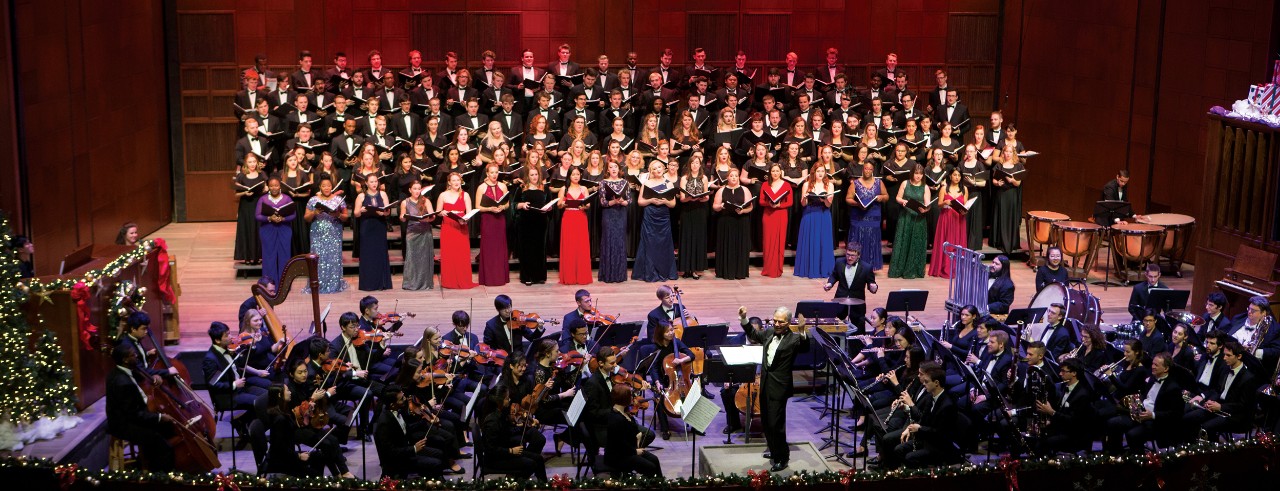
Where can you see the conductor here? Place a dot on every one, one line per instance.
(853, 280)
(780, 348)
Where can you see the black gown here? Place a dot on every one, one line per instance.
(693, 229)
(301, 228)
(531, 241)
(248, 246)
(1008, 213)
(976, 218)
(733, 237)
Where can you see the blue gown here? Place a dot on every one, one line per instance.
(375, 265)
(864, 225)
(815, 254)
(655, 256)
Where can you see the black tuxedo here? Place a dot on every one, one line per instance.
(1000, 295)
(959, 118)
(934, 441)
(595, 415)
(1061, 341)
(516, 126)
(515, 80)
(249, 106)
(464, 120)
(129, 419)
(293, 119)
(299, 79)
(1221, 324)
(1240, 402)
(1073, 424)
(389, 100)
(658, 315)
(410, 131)
(275, 98)
(1216, 372)
(999, 370)
(338, 146)
(937, 97)
(396, 450)
(571, 69)
(222, 391)
(901, 116)
(243, 148)
(453, 337)
(495, 335)
(776, 384)
(605, 124)
(855, 287)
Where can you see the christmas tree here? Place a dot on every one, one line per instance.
(36, 394)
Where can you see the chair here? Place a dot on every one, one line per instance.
(121, 454)
(478, 469)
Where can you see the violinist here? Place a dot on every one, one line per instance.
(371, 320)
(577, 337)
(666, 311)
(462, 336)
(310, 377)
(511, 447)
(136, 325)
(625, 452)
(261, 352)
(400, 450)
(584, 306)
(443, 386)
(776, 385)
(556, 394)
(127, 415)
(598, 390)
(346, 350)
(288, 430)
(500, 333)
(665, 344)
(225, 371)
(512, 382)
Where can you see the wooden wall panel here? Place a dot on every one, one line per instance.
(95, 159)
(11, 194)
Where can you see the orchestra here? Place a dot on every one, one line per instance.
(1055, 384)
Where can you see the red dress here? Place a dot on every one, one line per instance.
(774, 226)
(951, 228)
(575, 245)
(455, 249)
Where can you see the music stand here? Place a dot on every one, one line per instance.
(618, 334)
(1167, 299)
(1106, 212)
(1026, 316)
(705, 336)
(719, 372)
(906, 301)
(820, 309)
(844, 375)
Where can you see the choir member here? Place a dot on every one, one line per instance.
(419, 258)
(492, 203)
(694, 196)
(455, 245)
(654, 261)
(615, 198)
(733, 228)
(864, 219)
(575, 249)
(1007, 181)
(909, 242)
(952, 228)
(814, 247)
(372, 212)
(247, 185)
(275, 228)
(326, 211)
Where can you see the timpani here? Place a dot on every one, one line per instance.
(1039, 231)
(1177, 239)
(1135, 244)
(1079, 242)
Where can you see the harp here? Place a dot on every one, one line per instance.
(296, 303)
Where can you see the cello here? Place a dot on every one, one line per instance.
(194, 447)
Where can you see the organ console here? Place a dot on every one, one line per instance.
(1249, 276)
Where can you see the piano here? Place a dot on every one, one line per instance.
(1249, 276)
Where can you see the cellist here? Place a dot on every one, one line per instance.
(128, 417)
(665, 344)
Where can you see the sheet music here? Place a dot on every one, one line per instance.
(742, 355)
(698, 411)
(575, 408)
(471, 403)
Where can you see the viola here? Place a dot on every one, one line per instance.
(530, 320)
(446, 349)
(311, 414)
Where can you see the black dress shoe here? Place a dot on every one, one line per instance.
(464, 455)
(707, 394)
(767, 454)
(731, 429)
(857, 452)
(666, 435)
(778, 467)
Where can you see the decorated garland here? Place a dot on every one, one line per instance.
(1155, 462)
(113, 268)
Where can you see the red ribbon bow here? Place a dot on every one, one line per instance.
(1154, 461)
(846, 476)
(1010, 466)
(758, 479)
(226, 483)
(388, 484)
(560, 482)
(162, 271)
(80, 294)
(66, 475)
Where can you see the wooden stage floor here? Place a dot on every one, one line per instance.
(210, 291)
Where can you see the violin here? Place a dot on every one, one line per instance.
(311, 414)
(531, 320)
(331, 365)
(571, 359)
(487, 356)
(393, 317)
(376, 337)
(595, 317)
(247, 339)
(594, 363)
(634, 380)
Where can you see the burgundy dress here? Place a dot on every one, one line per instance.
(495, 267)
(951, 228)
(575, 244)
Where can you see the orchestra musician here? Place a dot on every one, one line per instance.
(127, 415)
(1093, 349)
(999, 287)
(136, 325)
(667, 312)
(1215, 316)
(853, 279)
(664, 343)
(780, 348)
(1157, 415)
(557, 393)
(928, 440)
(510, 446)
(1052, 270)
(226, 371)
(1059, 337)
(399, 452)
(583, 308)
(1152, 339)
(625, 451)
(499, 333)
(1229, 404)
(1139, 299)
(1209, 365)
(1070, 411)
(1249, 332)
(371, 320)
(310, 382)
(359, 358)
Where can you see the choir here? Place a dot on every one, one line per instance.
(533, 150)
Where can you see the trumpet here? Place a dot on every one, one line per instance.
(1072, 354)
(1186, 397)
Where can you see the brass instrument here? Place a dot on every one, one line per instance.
(1106, 368)
(1134, 403)
(1186, 397)
(1073, 353)
(1258, 335)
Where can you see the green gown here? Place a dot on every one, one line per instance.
(909, 242)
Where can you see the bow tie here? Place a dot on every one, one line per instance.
(791, 71)
(1249, 328)
(488, 70)
(253, 139)
(831, 67)
(564, 63)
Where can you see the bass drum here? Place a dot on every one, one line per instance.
(1081, 305)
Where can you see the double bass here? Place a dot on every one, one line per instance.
(194, 447)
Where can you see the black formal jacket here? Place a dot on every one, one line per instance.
(395, 451)
(863, 276)
(1000, 295)
(1139, 297)
(212, 365)
(1076, 417)
(937, 417)
(1218, 371)
(1168, 411)
(1062, 340)
(127, 412)
(595, 415)
(1222, 324)
(496, 338)
(1241, 400)
(658, 316)
(776, 377)
(1000, 373)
